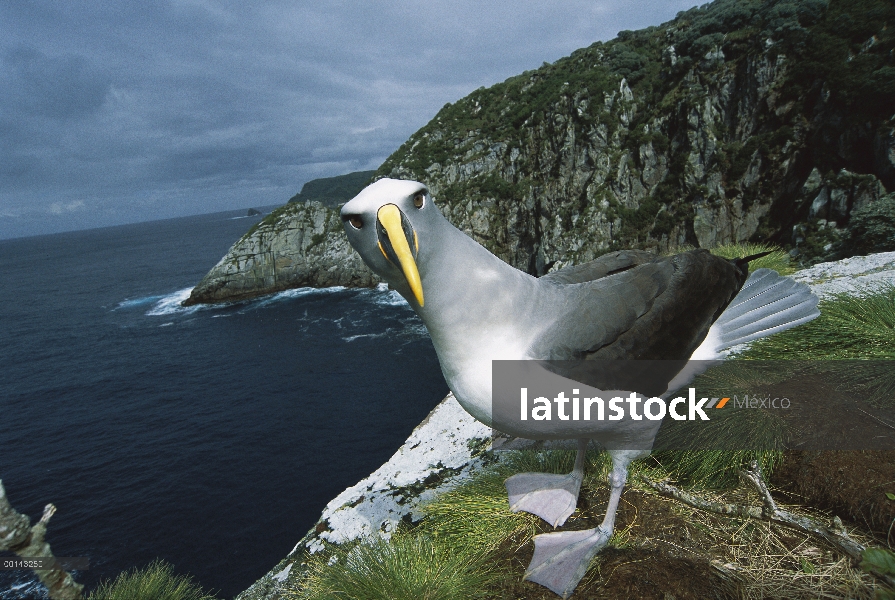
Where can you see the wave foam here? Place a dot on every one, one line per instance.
(170, 304)
(295, 293)
(29, 589)
(138, 302)
(383, 296)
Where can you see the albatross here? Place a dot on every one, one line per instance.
(627, 305)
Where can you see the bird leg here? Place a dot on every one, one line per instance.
(561, 559)
(551, 497)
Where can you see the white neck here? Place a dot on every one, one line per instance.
(472, 302)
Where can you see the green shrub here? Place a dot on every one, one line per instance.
(407, 567)
(870, 229)
(155, 582)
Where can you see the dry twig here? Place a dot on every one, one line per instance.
(835, 534)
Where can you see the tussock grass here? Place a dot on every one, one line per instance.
(711, 457)
(848, 327)
(778, 260)
(477, 514)
(407, 567)
(157, 581)
(713, 469)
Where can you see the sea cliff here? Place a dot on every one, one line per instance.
(735, 121)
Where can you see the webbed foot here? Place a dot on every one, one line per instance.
(561, 559)
(551, 497)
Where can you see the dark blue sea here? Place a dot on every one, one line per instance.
(210, 437)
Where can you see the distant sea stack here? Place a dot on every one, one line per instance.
(766, 121)
(252, 212)
(296, 245)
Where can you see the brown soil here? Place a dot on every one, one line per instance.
(842, 452)
(824, 415)
(665, 550)
(850, 483)
(627, 573)
(663, 566)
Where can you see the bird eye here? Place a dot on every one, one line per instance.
(419, 199)
(355, 221)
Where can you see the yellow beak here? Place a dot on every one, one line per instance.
(390, 218)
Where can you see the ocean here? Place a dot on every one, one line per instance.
(210, 437)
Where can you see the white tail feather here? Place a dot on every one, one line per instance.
(766, 304)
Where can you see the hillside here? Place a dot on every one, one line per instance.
(756, 120)
(333, 191)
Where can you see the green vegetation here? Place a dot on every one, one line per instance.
(848, 327)
(882, 562)
(748, 434)
(332, 191)
(407, 567)
(155, 582)
(870, 229)
(837, 71)
(271, 218)
(477, 512)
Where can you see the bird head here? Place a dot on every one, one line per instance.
(387, 224)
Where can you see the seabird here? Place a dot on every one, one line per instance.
(631, 305)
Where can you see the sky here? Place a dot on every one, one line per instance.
(117, 112)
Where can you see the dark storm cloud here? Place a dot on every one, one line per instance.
(64, 87)
(136, 110)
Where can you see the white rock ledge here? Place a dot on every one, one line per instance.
(854, 276)
(440, 451)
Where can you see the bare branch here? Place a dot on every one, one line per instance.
(835, 534)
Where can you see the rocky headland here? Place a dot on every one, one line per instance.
(733, 122)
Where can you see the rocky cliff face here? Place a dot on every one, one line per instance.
(298, 245)
(737, 121)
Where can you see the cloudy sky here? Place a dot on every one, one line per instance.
(115, 112)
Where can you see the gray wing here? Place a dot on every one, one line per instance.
(608, 264)
(659, 308)
(634, 329)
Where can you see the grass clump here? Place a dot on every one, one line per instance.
(848, 327)
(777, 260)
(477, 515)
(155, 582)
(711, 457)
(409, 566)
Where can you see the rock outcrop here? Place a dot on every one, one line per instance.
(300, 244)
(734, 122)
(333, 191)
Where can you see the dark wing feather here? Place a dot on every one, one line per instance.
(698, 290)
(608, 264)
(658, 311)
